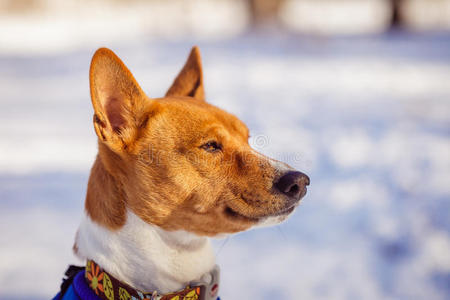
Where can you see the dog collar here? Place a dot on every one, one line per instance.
(107, 287)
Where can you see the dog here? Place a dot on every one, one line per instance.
(170, 173)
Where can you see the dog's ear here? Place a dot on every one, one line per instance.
(117, 99)
(189, 81)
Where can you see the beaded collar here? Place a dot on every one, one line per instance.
(107, 287)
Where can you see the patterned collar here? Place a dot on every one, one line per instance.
(107, 287)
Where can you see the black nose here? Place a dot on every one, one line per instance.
(293, 184)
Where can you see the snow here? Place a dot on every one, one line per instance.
(366, 117)
(337, 17)
(58, 26)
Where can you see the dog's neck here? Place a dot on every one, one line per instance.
(143, 255)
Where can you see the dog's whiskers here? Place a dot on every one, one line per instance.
(223, 245)
(282, 233)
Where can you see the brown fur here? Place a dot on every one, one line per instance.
(152, 159)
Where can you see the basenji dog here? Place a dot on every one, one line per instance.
(170, 173)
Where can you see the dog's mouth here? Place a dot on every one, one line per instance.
(235, 215)
(286, 211)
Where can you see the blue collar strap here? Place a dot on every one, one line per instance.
(94, 283)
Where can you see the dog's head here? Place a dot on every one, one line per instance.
(179, 162)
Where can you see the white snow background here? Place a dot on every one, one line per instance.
(368, 118)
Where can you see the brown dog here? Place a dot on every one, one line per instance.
(171, 172)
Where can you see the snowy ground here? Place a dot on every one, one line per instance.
(367, 118)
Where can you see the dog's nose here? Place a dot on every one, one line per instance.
(293, 184)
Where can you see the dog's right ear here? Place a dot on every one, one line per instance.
(189, 82)
(118, 101)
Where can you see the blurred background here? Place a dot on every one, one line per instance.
(355, 93)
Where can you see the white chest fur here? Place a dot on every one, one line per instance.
(145, 256)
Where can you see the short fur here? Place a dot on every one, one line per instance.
(159, 186)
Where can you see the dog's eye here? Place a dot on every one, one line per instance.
(211, 146)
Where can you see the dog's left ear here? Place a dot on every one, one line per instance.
(189, 82)
(119, 102)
